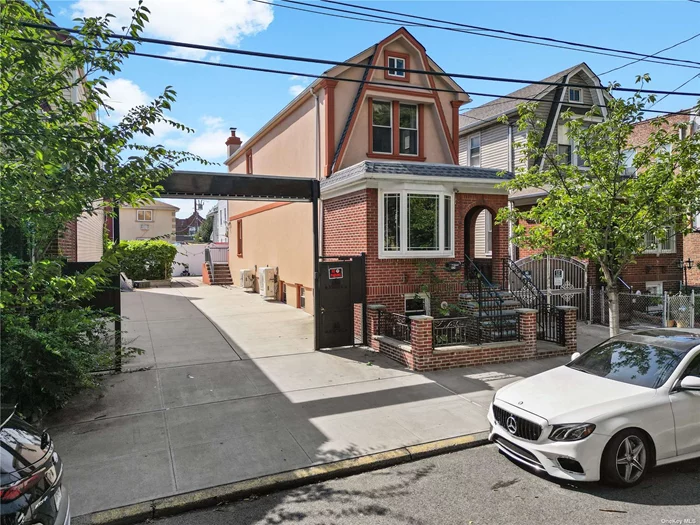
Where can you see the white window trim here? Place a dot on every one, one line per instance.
(659, 250)
(696, 222)
(488, 232)
(420, 295)
(144, 212)
(580, 95)
(391, 127)
(417, 128)
(397, 69)
(403, 252)
(654, 284)
(469, 149)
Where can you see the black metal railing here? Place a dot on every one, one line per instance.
(521, 286)
(476, 329)
(552, 324)
(396, 326)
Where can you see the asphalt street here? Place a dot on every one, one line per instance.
(470, 487)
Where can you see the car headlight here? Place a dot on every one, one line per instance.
(571, 432)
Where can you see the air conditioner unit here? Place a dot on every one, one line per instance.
(145, 227)
(266, 282)
(247, 281)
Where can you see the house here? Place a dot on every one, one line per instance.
(660, 270)
(150, 221)
(186, 229)
(219, 232)
(385, 145)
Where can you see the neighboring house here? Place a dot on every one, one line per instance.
(660, 270)
(391, 183)
(219, 232)
(152, 220)
(488, 143)
(186, 229)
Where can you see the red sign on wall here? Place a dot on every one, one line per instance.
(335, 273)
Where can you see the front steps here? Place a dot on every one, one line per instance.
(495, 311)
(220, 274)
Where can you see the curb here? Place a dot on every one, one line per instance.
(199, 499)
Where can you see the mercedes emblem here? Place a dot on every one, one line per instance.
(512, 425)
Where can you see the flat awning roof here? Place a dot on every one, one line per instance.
(210, 185)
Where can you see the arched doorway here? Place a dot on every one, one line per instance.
(480, 236)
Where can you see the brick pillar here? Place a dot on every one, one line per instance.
(421, 341)
(373, 312)
(527, 324)
(570, 318)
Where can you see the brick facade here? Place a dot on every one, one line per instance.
(66, 243)
(350, 225)
(691, 250)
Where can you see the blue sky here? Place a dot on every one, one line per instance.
(213, 99)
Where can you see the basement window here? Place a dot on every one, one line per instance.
(416, 304)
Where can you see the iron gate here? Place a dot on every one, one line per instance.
(342, 287)
(562, 280)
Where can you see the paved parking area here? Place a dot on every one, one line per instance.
(229, 388)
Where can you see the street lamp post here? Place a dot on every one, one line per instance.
(685, 266)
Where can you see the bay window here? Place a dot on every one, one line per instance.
(416, 223)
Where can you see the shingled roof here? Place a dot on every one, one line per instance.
(416, 169)
(501, 106)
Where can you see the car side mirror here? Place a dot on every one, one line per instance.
(575, 355)
(690, 383)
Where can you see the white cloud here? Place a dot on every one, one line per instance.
(124, 95)
(208, 141)
(209, 22)
(296, 89)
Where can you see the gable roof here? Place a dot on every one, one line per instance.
(501, 106)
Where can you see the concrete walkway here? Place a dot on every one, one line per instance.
(229, 388)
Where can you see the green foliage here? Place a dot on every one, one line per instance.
(150, 259)
(59, 161)
(205, 230)
(598, 213)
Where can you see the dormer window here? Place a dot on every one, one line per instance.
(575, 95)
(395, 130)
(397, 65)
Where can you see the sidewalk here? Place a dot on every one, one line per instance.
(229, 388)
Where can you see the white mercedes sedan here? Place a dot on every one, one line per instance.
(611, 414)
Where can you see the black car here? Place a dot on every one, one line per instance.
(30, 475)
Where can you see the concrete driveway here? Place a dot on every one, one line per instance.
(229, 388)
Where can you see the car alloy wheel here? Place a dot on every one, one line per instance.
(626, 458)
(631, 459)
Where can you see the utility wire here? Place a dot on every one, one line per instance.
(299, 73)
(405, 22)
(501, 31)
(649, 56)
(682, 85)
(312, 60)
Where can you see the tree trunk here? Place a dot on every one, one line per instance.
(614, 309)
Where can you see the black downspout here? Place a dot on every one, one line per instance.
(365, 339)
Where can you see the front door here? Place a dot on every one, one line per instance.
(686, 413)
(337, 310)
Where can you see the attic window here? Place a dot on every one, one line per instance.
(396, 64)
(575, 95)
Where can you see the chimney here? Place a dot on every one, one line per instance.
(232, 143)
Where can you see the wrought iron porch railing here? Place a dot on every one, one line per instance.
(521, 286)
(396, 326)
(476, 329)
(552, 324)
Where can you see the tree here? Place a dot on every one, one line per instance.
(205, 230)
(602, 212)
(58, 161)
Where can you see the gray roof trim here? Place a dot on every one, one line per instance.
(412, 170)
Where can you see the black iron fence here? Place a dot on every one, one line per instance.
(551, 324)
(396, 326)
(476, 330)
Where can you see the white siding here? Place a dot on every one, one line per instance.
(494, 147)
(480, 236)
(519, 138)
(90, 234)
(464, 150)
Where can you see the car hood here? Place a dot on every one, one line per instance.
(566, 392)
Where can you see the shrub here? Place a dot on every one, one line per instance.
(147, 259)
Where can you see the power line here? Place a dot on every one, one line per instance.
(501, 31)
(682, 85)
(299, 73)
(654, 54)
(312, 60)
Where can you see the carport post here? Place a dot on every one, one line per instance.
(118, 303)
(315, 193)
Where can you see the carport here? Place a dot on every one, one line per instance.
(341, 290)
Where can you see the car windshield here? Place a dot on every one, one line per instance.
(634, 363)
